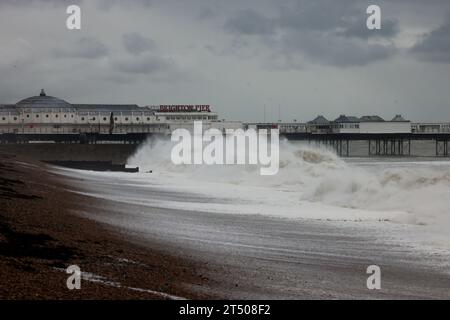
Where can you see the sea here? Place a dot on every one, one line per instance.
(319, 207)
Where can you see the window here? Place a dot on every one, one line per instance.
(65, 116)
(3, 118)
(46, 115)
(148, 118)
(137, 118)
(28, 115)
(82, 118)
(126, 119)
(115, 119)
(56, 116)
(93, 119)
(104, 118)
(37, 116)
(15, 118)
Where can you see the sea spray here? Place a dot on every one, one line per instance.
(312, 174)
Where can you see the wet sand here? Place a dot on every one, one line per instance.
(40, 236)
(263, 257)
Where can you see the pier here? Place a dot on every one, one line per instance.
(344, 144)
(47, 120)
(377, 144)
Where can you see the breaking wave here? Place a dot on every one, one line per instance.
(317, 175)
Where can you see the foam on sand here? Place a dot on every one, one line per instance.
(312, 183)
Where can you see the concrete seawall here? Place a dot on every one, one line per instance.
(117, 153)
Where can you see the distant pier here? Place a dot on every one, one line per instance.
(379, 144)
(46, 123)
(344, 144)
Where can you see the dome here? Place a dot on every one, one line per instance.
(43, 101)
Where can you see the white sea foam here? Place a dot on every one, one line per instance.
(311, 183)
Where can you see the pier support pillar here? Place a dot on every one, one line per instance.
(389, 147)
(442, 148)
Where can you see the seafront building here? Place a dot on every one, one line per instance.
(356, 125)
(49, 115)
(44, 120)
(351, 124)
(45, 114)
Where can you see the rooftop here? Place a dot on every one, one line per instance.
(399, 118)
(319, 120)
(371, 119)
(43, 101)
(343, 118)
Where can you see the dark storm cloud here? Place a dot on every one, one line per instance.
(346, 17)
(249, 22)
(85, 48)
(325, 32)
(40, 2)
(322, 15)
(435, 45)
(206, 13)
(101, 4)
(136, 44)
(209, 50)
(330, 50)
(357, 28)
(108, 4)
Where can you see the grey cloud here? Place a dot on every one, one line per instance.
(101, 4)
(16, 55)
(323, 31)
(144, 64)
(108, 4)
(322, 15)
(303, 41)
(38, 2)
(249, 22)
(206, 13)
(86, 48)
(137, 44)
(329, 50)
(435, 45)
(357, 28)
(345, 54)
(345, 17)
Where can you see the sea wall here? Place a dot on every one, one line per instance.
(117, 153)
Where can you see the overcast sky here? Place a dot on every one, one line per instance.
(304, 57)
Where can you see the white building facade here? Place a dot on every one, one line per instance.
(49, 115)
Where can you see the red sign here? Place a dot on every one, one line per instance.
(185, 108)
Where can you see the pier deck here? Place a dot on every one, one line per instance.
(376, 144)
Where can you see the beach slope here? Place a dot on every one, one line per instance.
(40, 236)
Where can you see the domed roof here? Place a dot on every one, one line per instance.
(43, 101)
